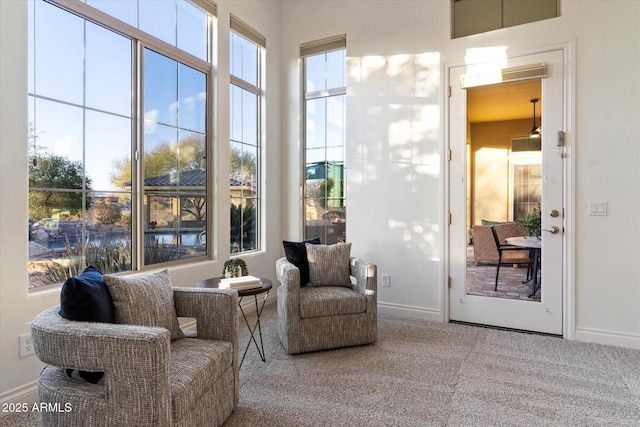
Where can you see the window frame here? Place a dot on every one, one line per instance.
(139, 42)
(241, 29)
(310, 49)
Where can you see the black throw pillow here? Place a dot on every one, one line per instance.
(86, 298)
(296, 253)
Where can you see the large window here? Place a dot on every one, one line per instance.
(247, 52)
(99, 118)
(325, 139)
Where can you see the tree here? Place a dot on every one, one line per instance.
(325, 191)
(47, 175)
(165, 158)
(243, 164)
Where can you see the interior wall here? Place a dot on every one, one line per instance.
(17, 305)
(396, 127)
(490, 145)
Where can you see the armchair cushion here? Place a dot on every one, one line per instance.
(330, 301)
(329, 264)
(296, 253)
(145, 300)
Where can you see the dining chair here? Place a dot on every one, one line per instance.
(509, 254)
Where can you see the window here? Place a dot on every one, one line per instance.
(247, 52)
(474, 16)
(525, 176)
(325, 139)
(91, 136)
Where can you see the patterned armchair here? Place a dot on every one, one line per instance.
(314, 318)
(149, 380)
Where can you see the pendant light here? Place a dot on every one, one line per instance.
(535, 130)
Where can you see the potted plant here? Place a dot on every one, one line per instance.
(532, 222)
(235, 267)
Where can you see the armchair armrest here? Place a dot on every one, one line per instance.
(215, 311)
(366, 275)
(128, 354)
(289, 276)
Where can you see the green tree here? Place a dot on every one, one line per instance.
(56, 172)
(325, 191)
(243, 164)
(164, 158)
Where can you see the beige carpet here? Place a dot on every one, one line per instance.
(421, 373)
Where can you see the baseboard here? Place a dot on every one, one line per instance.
(601, 336)
(409, 311)
(19, 396)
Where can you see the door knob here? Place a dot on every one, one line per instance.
(554, 213)
(554, 230)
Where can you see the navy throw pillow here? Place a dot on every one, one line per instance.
(296, 253)
(86, 298)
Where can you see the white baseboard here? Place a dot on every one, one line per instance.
(601, 336)
(25, 394)
(409, 311)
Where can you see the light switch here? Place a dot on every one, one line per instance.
(597, 208)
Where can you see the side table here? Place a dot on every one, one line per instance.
(214, 282)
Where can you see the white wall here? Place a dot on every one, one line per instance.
(17, 305)
(396, 130)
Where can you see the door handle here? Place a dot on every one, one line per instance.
(553, 230)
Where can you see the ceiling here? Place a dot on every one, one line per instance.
(506, 101)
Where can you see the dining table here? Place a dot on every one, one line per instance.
(534, 244)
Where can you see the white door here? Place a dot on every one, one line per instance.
(544, 315)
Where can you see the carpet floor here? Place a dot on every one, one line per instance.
(422, 373)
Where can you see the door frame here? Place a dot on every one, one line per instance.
(569, 184)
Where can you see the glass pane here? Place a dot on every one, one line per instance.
(193, 99)
(108, 151)
(236, 161)
(243, 225)
(108, 70)
(335, 69)
(160, 88)
(58, 53)
(236, 225)
(161, 237)
(158, 18)
(244, 59)
(249, 225)
(236, 113)
(109, 232)
(124, 10)
(160, 156)
(249, 117)
(336, 120)
(55, 227)
(192, 29)
(316, 123)
(31, 47)
(315, 71)
(58, 141)
(192, 156)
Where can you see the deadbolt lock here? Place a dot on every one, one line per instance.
(554, 213)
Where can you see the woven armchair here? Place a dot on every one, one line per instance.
(319, 318)
(148, 380)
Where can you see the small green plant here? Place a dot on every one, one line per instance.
(235, 268)
(532, 222)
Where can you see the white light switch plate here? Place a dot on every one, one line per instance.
(597, 208)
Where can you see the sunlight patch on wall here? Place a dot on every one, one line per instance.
(484, 65)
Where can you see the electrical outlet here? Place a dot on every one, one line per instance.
(26, 345)
(386, 280)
